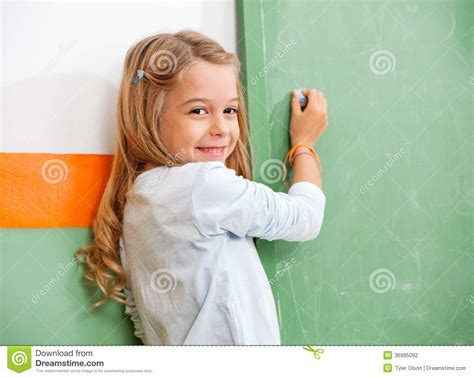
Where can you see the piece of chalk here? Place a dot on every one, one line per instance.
(303, 99)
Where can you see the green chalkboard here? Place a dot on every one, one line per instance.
(393, 263)
(44, 299)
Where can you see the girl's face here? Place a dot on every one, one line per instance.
(199, 117)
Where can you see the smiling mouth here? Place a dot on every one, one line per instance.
(212, 151)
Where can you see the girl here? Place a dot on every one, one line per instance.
(173, 232)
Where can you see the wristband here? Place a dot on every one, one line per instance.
(290, 155)
(300, 153)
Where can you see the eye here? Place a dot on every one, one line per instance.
(194, 110)
(234, 109)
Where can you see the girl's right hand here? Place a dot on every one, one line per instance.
(308, 125)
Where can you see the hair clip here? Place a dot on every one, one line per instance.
(139, 76)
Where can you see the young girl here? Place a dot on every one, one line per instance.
(173, 232)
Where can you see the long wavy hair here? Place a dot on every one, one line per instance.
(162, 58)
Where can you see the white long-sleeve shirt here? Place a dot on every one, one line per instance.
(194, 275)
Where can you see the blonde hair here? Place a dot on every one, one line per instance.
(163, 58)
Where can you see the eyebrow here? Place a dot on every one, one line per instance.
(200, 99)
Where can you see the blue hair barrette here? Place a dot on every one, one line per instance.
(139, 76)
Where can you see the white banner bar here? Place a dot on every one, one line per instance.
(237, 361)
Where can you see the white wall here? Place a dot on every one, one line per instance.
(61, 65)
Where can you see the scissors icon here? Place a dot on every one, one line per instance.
(315, 352)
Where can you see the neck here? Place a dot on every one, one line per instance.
(150, 165)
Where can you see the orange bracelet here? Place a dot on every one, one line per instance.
(291, 152)
(292, 161)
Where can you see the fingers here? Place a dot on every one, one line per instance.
(319, 99)
(316, 101)
(295, 105)
(312, 98)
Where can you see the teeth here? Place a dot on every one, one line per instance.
(213, 150)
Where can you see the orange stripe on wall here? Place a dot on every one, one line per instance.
(51, 190)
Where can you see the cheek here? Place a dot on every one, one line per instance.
(182, 132)
(165, 134)
(192, 134)
(236, 132)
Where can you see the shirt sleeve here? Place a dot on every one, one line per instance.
(224, 202)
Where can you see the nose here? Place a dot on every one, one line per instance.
(219, 126)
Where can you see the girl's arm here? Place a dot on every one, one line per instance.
(224, 202)
(305, 168)
(306, 127)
